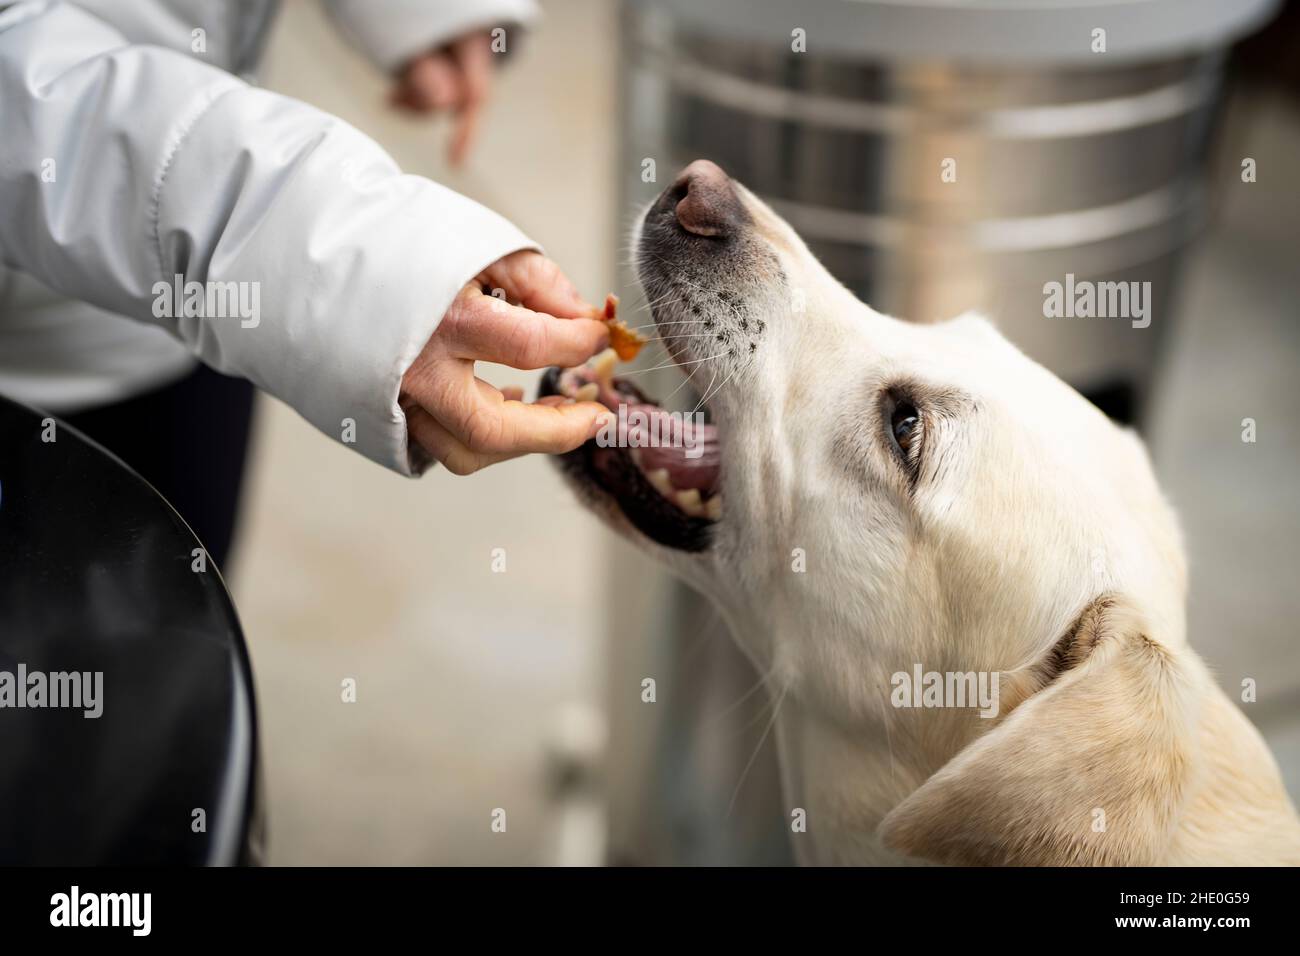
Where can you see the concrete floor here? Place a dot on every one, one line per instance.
(464, 675)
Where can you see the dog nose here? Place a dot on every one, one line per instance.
(707, 204)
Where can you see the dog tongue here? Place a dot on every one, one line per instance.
(691, 459)
(686, 448)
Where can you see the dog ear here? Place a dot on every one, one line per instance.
(1088, 764)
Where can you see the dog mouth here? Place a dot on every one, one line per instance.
(661, 469)
(697, 262)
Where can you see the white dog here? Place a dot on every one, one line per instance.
(875, 501)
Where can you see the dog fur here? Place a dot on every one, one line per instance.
(1033, 542)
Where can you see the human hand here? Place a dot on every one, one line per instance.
(467, 424)
(455, 78)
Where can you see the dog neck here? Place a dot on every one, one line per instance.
(847, 779)
(847, 757)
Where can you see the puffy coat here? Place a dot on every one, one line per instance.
(132, 153)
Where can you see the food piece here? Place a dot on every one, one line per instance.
(648, 441)
(625, 342)
(603, 367)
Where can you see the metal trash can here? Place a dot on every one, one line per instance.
(942, 156)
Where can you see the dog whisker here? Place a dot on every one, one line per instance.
(641, 371)
(711, 392)
(758, 685)
(776, 710)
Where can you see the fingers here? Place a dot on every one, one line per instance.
(464, 133)
(485, 328)
(458, 79)
(467, 424)
(535, 281)
(482, 426)
(433, 82)
(513, 428)
(473, 55)
(445, 447)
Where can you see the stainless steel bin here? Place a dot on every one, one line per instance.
(1059, 160)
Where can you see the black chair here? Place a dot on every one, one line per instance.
(99, 575)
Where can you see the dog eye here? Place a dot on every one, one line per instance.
(905, 428)
(902, 428)
(905, 425)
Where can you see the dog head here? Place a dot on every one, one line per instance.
(894, 495)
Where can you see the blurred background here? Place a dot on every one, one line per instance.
(521, 690)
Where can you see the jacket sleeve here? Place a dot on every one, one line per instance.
(390, 32)
(128, 170)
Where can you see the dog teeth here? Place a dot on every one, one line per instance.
(603, 366)
(587, 393)
(689, 501)
(713, 508)
(661, 482)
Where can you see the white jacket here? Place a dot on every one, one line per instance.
(129, 156)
